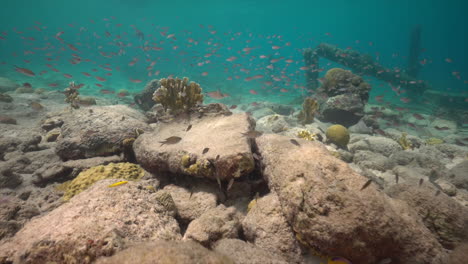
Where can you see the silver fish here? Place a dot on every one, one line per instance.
(171, 140)
(252, 134)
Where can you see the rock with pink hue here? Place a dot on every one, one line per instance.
(322, 200)
(167, 252)
(242, 252)
(213, 225)
(96, 222)
(446, 218)
(266, 227)
(213, 147)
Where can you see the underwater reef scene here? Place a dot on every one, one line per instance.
(306, 132)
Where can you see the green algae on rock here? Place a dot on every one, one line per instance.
(85, 179)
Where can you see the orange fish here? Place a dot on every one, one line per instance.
(25, 71)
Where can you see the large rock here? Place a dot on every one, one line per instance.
(447, 219)
(458, 175)
(266, 227)
(166, 252)
(272, 123)
(245, 253)
(229, 155)
(213, 225)
(378, 144)
(342, 97)
(96, 222)
(191, 204)
(7, 85)
(98, 131)
(322, 200)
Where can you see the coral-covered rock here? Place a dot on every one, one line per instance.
(213, 225)
(98, 131)
(97, 222)
(167, 252)
(242, 252)
(447, 219)
(227, 152)
(7, 85)
(342, 97)
(266, 227)
(9, 178)
(324, 201)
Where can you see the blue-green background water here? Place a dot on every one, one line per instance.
(224, 29)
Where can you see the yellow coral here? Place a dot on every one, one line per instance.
(251, 205)
(178, 95)
(309, 108)
(85, 179)
(404, 142)
(306, 135)
(338, 135)
(434, 141)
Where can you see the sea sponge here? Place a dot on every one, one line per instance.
(338, 135)
(85, 179)
(434, 141)
(178, 95)
(309, 108)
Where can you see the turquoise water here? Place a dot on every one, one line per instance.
(212, 42)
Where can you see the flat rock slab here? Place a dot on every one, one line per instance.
(228, 155)
(322, 201)
(98, 131)
(96, 222)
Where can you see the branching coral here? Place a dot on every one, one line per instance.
(306, 135)
(178, 95)
(71, 94)
(309, 108)
(404, 142)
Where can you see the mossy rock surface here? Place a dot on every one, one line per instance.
(85, 179)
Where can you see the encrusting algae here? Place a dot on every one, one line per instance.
(85, 179)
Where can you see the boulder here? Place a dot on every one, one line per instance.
(242, 252)
(324, 201)
(213, 147)
(191, 204)
(447, 219)
(94, 223)
(266, 227)
(7, 85)
(166, 252)
(272, 123)
(213, 225)
(378, 144)
(458, 175)
(371, 160)
(98, 131)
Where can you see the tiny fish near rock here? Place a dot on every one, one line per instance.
(118, 183)
(171, 140)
